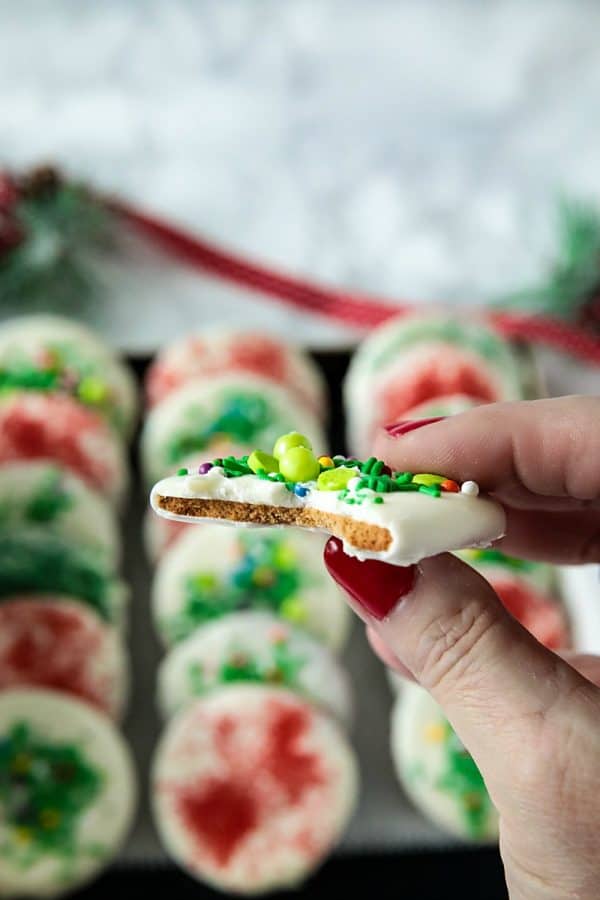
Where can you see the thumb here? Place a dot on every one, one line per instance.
(445, 624)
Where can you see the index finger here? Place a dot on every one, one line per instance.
(519, 451)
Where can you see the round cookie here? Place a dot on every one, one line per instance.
(213, 570)
(39, 562)
(36, 426)
(56, 355)
(489, 561)
(418, 358)
(44, 495)
(436, 771)
(252, 787)
(61, 644)
(201, 416)
(217, 352)
(253, 647)
(67, 793)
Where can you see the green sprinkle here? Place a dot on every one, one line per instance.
(377, 499)
(182, 471)
(402, 477)
(431, 489)
(367, 466)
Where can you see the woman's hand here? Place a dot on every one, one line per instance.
(530, 719)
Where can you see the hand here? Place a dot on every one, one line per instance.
(530, 719)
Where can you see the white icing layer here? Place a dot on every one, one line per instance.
(420, 525)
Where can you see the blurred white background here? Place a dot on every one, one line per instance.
(407, 147)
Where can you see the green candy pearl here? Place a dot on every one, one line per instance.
(288, 442)
(261, 460)
(299, 464)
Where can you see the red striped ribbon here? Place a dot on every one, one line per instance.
(357, 310)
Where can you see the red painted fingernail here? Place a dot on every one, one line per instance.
(375, 586)
(397, 429)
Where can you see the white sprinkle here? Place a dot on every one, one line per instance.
(471, 488)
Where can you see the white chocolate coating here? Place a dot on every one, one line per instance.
(100, 830)
(420, 525)
(214, 557)
(194, 667)
(252, 788)
(422, 746)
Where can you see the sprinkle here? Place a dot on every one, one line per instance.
(377, 499)
(450, 486)
(432, 489)
(367, 467)
(326, 462)
(426, 478)
(300, 490)
(204, 467)
(470, 488)
(402, 477)
(182, 471)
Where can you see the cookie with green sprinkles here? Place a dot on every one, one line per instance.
(213, 572)
(67, 793)
(437, 772)
(398, 517)
(258, 647)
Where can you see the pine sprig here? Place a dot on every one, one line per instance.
(573, 280)
(61, 223)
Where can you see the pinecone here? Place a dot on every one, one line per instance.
(39, 182)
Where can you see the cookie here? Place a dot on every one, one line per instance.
(61, 644)
(252, 788)
(217, 352)
(53, 355)
(67, 793)
(203, 418)
(397, 517)
(56, 427)
(435, 770)
(39, 562)
(255, 647)
(419, 358)
(213, 571)
(40, 494)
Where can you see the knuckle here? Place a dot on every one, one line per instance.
(449, 647)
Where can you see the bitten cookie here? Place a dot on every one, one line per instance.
(435, 770)
(397, 517)
(217, 352)
(252, 788)
(255, 647)
(62, 644)
(204, 418)
(213, 571)
(67, 793)
(59, 356)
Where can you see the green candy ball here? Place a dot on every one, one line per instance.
(299, 464)
(260, 460)
(288, 441)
